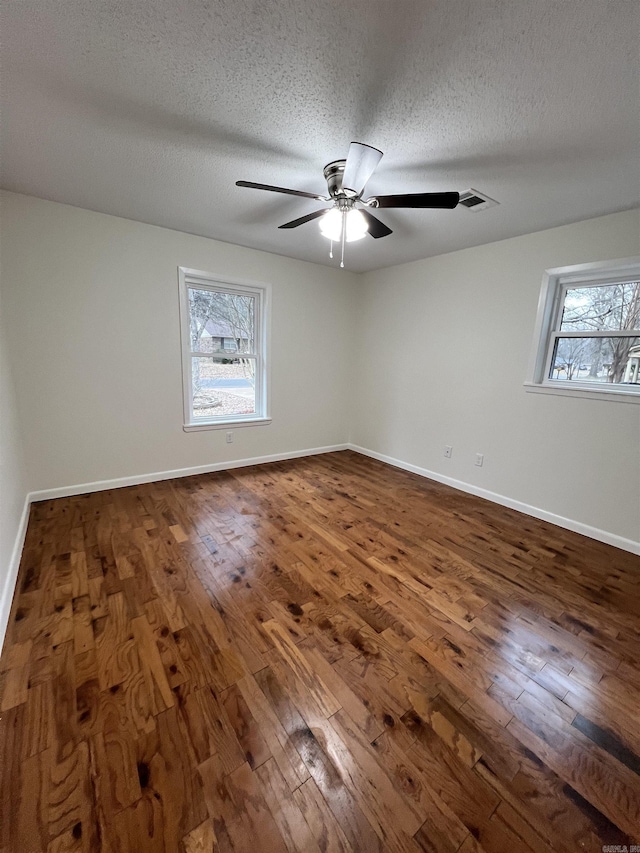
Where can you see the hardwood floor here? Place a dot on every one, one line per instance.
(327, 654)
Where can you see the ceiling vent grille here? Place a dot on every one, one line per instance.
(475, 201)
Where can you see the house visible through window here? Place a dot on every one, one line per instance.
(588, 334)
(224, 347)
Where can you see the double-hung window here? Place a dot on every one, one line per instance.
(587, 338)
(224, 351)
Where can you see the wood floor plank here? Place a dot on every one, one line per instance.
(320, 766)
(293, 827)
(321, 821)
(238, 806)
(255, 748)
(202, 839)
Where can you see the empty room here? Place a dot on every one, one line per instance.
(320, 426)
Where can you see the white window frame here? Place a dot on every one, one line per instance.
(555, 284)
(188, 278)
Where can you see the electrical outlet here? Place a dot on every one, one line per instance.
(448, 451)
(229, 437)
(479, 459)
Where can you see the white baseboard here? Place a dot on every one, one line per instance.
(527, 509)
(138, 479)
(6, 597)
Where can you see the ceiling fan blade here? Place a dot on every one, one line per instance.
(377, 229)
(268, 187)
(361, 163)
(446, 201)
(295, 222)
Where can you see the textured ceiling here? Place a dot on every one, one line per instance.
(152, 110)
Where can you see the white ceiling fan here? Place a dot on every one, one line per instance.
(349, 218)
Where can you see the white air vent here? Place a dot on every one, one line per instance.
(473, 200)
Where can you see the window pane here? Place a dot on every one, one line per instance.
(614, 359)
(223, 386)
(221, 322)
(603, 307)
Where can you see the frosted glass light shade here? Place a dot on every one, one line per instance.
(331, 225)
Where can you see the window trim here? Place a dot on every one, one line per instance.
(262, 291)
(555, 283)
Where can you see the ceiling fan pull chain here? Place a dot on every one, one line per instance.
(344, 234)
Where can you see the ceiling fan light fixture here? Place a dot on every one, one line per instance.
(331, 225)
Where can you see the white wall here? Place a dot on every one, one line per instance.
(441, 359)
(92, 308)
(13, 485)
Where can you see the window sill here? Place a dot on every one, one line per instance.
(588, 393)
(198, 427)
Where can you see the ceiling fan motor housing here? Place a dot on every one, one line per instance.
(333, 173)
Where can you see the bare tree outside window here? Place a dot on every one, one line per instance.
(221, 323)
(598, 333)
(222, 329)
